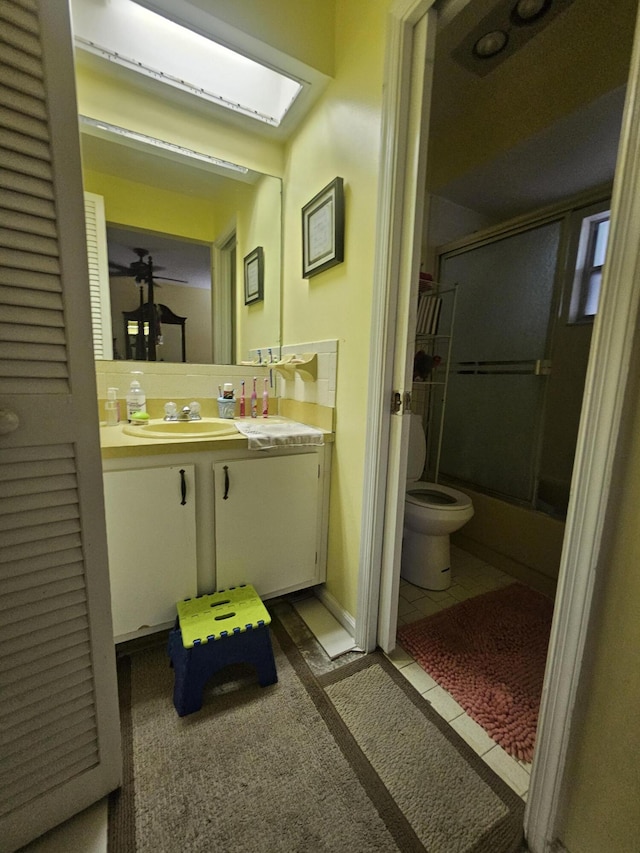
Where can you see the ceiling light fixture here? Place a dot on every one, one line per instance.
(528, 11)
(490, 44)
(142, 138)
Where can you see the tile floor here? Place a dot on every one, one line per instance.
(470, 576)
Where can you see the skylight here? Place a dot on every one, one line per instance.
(146, 42)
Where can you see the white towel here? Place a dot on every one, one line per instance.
(262, 435)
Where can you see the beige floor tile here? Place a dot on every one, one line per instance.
(399, 657)
(508, 769)
(410, 592)
(473, 734)
(442, 702)
(418, 677)
(405, 607)
(427, 606)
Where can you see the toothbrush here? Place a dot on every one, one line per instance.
(242, 411)
(254, 411)
(265, 399)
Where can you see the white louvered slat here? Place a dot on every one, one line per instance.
(76, 760)
(32, 658)
(13, 220)
(59, 739)
(21, 83)
(19, 59)
(98, 276)
(27, 352)
(43, 563)
(56, 731)
(25, 184)
(53, 716)
(10, 140)
(32, 334)
(33, 580)
(31, 120)
(19, 103)
(21, 15)
(20, 203)
(30, 298)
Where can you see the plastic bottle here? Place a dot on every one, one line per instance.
(136, 399)
(112, 407)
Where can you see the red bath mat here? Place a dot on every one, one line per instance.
(489, 653)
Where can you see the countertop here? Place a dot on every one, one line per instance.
(115, 443)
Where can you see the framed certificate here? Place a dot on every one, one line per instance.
(323, 230)
(254, 276)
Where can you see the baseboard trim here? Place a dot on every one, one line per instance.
(336, 610)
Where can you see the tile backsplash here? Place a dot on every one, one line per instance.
(322, 390)
(166, 381)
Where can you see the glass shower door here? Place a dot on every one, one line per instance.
(495, 394)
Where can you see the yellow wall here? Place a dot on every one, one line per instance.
(603, 811)
(259, 323)
(125, 106)
(299, 28)
(341, 138)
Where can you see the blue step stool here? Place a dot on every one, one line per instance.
(213, 631)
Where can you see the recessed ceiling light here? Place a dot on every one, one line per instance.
(528, 11)
(490, 44)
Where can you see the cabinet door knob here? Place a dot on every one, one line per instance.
(226, 482)
(183, 487)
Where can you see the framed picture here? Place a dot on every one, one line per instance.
(323, 230)
(254, 276)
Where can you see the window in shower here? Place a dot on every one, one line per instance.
(592, 248)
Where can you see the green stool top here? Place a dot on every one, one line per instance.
(211, 617)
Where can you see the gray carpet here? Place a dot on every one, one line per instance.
(353, 761)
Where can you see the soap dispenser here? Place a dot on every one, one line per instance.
(136, 399)
(112, 407)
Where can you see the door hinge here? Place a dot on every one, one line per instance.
(396, 402)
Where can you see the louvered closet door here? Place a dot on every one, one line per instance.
(59, 728)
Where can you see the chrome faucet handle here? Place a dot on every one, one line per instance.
(170, 412)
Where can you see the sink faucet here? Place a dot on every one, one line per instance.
(187, 413)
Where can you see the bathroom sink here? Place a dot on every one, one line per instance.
(158, 428)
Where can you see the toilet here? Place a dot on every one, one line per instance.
(432, 512)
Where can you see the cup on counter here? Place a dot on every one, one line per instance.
(226, 408)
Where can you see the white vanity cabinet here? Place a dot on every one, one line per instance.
(266, 522)
(270, 531)
(151, 537)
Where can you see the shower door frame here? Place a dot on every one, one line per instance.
(562, 213)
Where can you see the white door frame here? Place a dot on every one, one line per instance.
(605, 388)
(222, 297)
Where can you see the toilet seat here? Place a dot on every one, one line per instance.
(436, 496)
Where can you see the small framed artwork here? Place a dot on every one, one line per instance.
(254, 276)
(323, 230)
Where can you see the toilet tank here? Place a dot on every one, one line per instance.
(417, 448)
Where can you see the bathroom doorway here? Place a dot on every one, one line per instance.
(601, 423)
